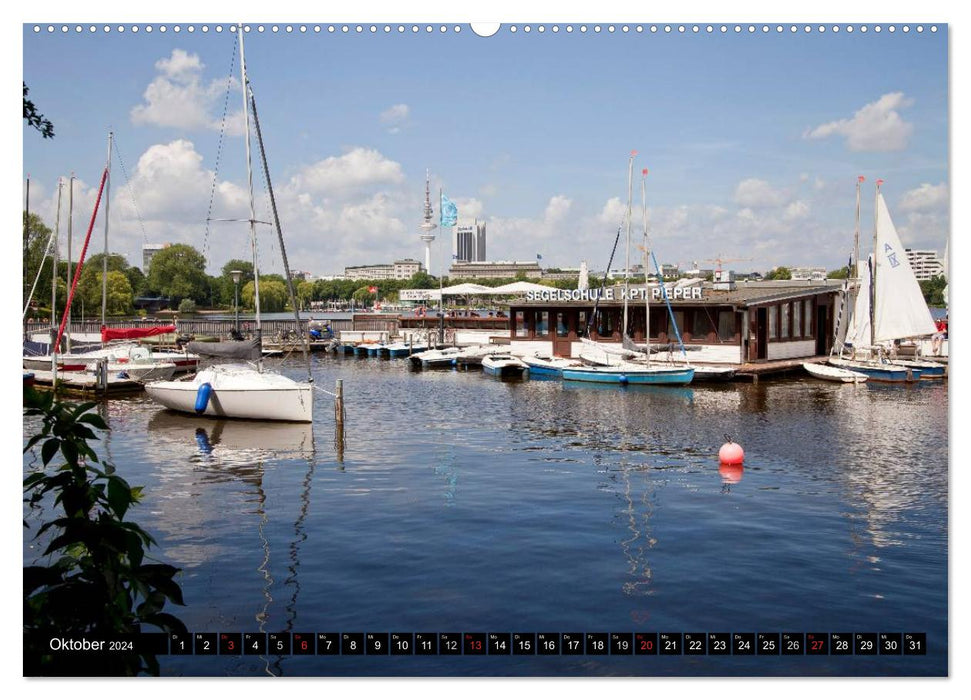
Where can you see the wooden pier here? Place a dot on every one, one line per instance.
(753, 371)
(85, 384)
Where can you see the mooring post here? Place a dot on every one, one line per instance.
(339, 420)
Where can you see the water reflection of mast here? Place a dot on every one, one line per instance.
(639, 566)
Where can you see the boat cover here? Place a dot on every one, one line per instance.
(230, 349)
(130, 333)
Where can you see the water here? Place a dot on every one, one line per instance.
(468, 504)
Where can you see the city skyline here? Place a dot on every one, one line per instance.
(530, 135)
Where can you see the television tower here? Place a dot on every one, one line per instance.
(428, 226)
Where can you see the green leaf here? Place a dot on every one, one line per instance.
(119, 496)
(94, 419)
(49, 449)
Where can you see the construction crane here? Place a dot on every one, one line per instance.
(720, 260)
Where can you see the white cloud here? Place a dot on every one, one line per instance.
(357, 169)
(557, 210)
(925, 197)
(755, 193)
(179, 98)
(469, 209)
(394, 114)
(875, 127)
(796, 210)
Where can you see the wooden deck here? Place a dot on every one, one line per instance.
(772, 368)
(85, 383)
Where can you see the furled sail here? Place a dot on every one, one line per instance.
(132, 333)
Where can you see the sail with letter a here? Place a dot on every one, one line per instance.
(899, 308)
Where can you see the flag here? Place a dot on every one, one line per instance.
(450, 213)
(539, 257)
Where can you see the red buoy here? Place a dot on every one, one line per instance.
(731, 453)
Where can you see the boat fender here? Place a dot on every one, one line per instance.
(731, 453)
(623, 379)
(202, 397)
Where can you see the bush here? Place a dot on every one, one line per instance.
(187, 306)
(98, 585)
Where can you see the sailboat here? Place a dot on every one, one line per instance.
(241, 390)
(889, 307)
(618, 368)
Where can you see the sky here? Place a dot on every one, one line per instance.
(753, 140)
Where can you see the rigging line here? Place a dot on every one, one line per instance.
(603, 283)
(219, 148)
(131, 192)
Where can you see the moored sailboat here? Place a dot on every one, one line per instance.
(889, 307)
(242, 391)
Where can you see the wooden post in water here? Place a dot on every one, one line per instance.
(339, 420)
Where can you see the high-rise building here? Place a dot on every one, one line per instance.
(470, 242)
(148, 252)
(925, 263)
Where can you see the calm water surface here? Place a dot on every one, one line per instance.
(468, 504)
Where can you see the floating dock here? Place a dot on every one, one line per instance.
(85, 383)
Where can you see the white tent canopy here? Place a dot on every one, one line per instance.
(470, 289)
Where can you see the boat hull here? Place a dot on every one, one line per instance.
(880, 372)
(620, 375)
(835, 374)
(276, 398)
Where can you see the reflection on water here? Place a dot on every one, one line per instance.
(465, 502)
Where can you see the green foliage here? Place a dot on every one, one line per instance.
(98, 584)
(273, 295)
(179, 271)
(779, 273)
(35, 239)
(224, 283)
(187, 306)
(119, 291)
(933, 290)
(35, 118)
(839, 274)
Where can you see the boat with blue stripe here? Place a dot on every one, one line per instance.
(630, 374)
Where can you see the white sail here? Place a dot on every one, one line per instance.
(899, 307)
(858, 327)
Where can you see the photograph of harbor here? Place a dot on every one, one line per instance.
(524, 350)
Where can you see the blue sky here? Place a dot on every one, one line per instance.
(753, 140)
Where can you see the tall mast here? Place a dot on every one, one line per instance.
(104, 262)
(70, 272)
(249, 175)
(630, 191)
(876, 264)
(647, 295)
(57, 225)
(855, 272)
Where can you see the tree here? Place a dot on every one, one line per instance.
(839, 274)
(35, 118)
(779, 273)
(305, 293)
(933, 290)
(36, 236)
(187, 306)
(224, 283)
(273, 295)
(179, 271)
(119, 291)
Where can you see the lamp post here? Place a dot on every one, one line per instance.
(236, 275)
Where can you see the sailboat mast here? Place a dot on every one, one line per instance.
(57, 225)
(647, 294)
(70, 272)
(855, 272)
(630, 192)
(876, 265)
(249, 176)
(104, 262)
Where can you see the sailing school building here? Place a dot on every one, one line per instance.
(731, 323)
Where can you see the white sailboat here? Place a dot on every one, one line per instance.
(889, 307)
(237, 390)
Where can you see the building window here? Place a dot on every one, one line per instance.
(773, 322)
(797, 319)
(562, 327)
(582, 323)
(726, 325)
(808, 319)
(785, 310)
(542, 323)
(520, 323)
(679, 323)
